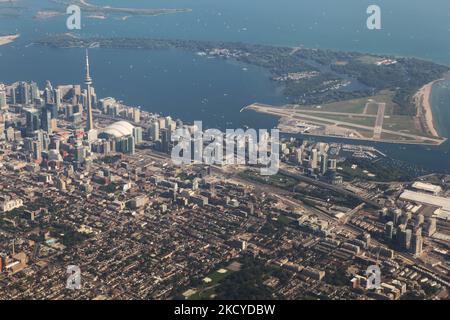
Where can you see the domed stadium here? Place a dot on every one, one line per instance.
(117, 130)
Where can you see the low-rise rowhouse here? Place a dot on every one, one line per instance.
(9, 205)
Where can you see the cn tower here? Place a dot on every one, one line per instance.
(88, 82)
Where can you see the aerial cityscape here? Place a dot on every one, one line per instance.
(146, 155)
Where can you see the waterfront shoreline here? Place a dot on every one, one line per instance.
(102, 10)
(392, 142)
(422, 100)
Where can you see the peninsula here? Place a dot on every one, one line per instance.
(352, 95)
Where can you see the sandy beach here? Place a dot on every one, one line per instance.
(8, 39)
(424, 111)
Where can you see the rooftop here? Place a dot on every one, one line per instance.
(427, 187)
(427, 199)
(118, 129)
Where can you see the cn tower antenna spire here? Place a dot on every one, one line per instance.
(88, 71)
(88, 82)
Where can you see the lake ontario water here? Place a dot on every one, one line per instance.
(190, 87)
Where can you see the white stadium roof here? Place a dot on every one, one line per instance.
(119, 129)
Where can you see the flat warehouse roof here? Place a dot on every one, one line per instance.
(441, 202)
(427, 186)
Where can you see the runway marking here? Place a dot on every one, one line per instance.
(378, 129)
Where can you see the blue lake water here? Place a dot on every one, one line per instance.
(192, 88)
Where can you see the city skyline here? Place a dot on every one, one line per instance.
(209, 170)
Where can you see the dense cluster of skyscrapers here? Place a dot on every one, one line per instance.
(405, 233)
(29, 120)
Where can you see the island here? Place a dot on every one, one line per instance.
(102, 11)
(332, 93)
(8, 38)
(47, 14)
